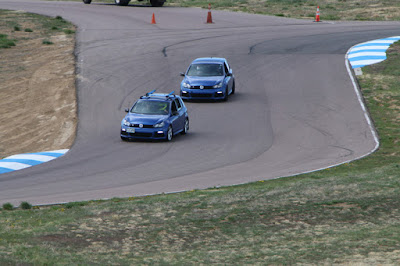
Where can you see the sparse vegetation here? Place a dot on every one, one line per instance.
(25, 205)
(8, 206)
(47, 42)
(5, 42)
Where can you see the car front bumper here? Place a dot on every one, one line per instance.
(205, 94)
(143, 133)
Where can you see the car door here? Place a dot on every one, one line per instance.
(176, 120)
(181, 114)
(228, 78)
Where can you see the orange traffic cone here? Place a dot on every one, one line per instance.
(209, 17)
(317, 15)
(153, 19)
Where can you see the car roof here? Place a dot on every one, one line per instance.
(159, 96)
(214, 60)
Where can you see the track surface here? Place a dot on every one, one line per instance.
(295, 109)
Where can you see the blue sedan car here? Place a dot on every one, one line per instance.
(208, 78)
(155, 116)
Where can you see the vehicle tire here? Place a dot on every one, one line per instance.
(233, 88)
(170, 134)
(186, 127)
(123, 138)
(157, 3)
(87, 1)
(122, 2)
(226, 95)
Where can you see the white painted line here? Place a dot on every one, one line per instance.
(382, 41)
(361, 53)
(366, 62)
(13, 166)
(36, 157)
(361, 101)
(59, 151)
(367, 47)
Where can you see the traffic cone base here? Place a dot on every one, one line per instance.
(209, 17)
(153, 19)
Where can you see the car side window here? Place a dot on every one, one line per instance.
(173, 107)
(178, 104)
(226, 68)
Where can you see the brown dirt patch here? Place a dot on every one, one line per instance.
(37, 90)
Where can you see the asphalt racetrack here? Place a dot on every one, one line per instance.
(295, 109)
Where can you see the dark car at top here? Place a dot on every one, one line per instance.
(155, 116)
(208, 78)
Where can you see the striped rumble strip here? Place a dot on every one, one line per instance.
(21, 161)
(371, 52)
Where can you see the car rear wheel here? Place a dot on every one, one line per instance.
(122, 2)
(233, 88)
(170, 134)
(87, 1)
(156, 3)
(186, 127)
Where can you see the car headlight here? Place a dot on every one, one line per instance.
(159, 124)
(219, 85)
(126, 123)
(185, 85)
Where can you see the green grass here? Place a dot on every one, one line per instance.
(5, 42)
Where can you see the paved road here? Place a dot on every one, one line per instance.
(295, 109)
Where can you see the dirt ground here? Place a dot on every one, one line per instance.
(37, 90)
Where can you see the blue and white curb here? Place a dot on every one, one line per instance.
(371, 52)
(21, 161)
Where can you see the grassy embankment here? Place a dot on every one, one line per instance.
(347, 214)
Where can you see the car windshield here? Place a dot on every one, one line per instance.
(205, 70)
(150, 107)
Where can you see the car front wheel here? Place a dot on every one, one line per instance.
(170, 134)
(226, 95)
(87, 1)
(186, 127)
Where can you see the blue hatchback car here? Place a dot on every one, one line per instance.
(155, 116)
(208, 78)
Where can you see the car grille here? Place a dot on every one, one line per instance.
(201, 95)
(144, 126)
(204, 87)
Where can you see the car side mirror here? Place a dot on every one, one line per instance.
(182, 74)
(127, 110)
(175, 113)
